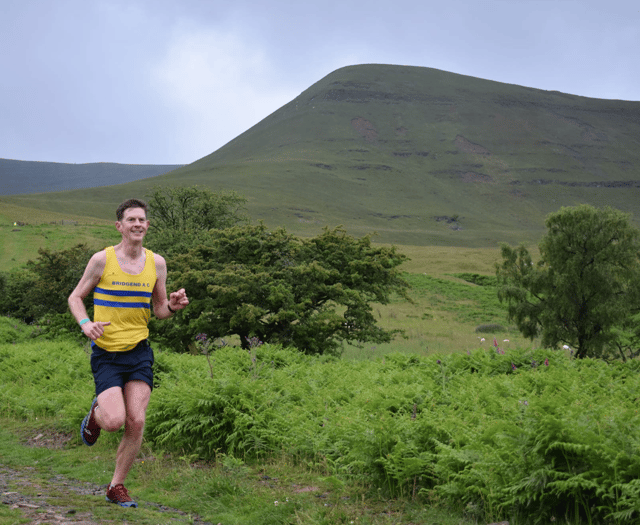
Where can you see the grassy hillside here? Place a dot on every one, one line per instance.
(24, 231)
(418, 155)
(20, 176)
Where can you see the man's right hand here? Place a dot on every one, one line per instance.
(94, 330)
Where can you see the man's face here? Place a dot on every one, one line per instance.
(134, 224)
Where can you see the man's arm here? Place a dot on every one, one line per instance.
(87, 283)
(163, 307)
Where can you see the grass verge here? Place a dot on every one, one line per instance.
(174, 488)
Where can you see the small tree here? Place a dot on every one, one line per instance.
(310, 294)
(42, 286)
(180, 215)
(585, 286)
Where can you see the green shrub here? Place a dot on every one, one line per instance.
(531, 436)
(490, 328)
(45, 378)
(41, 287)
(14, 331)
(480, 280)
(519, 434)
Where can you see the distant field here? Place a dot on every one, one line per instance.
(58, 231)
(10, 213)
(445, 313)
(443, 317)
(23, 232)
(55, 229)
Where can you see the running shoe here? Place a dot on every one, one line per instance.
(119, 495)
(90, 430)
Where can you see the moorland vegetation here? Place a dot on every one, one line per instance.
(462, 420)
(532, 436)
(496, 432)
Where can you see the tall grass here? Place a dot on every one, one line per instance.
(526, 435)
(446, 314)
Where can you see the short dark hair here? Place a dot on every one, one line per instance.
(130, 203)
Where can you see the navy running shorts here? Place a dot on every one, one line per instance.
(117, 368)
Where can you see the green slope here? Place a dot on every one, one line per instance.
(419, 155)
(19, 176)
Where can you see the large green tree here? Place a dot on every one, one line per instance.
(310, 294)
(584, 289)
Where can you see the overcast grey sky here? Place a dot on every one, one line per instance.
(168, 82)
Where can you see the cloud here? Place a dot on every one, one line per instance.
(218, 83)
(159, 81)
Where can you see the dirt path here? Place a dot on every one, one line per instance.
(54, 500)
(47, 502)
(37, 501)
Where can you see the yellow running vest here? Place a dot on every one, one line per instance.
(125, 301)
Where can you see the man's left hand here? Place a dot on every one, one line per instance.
(178, 300)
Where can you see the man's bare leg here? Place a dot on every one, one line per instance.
(136, 398)
(110, 413)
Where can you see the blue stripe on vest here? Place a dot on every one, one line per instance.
(117, 304)
(122, 293)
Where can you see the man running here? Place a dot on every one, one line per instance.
(126, 280)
